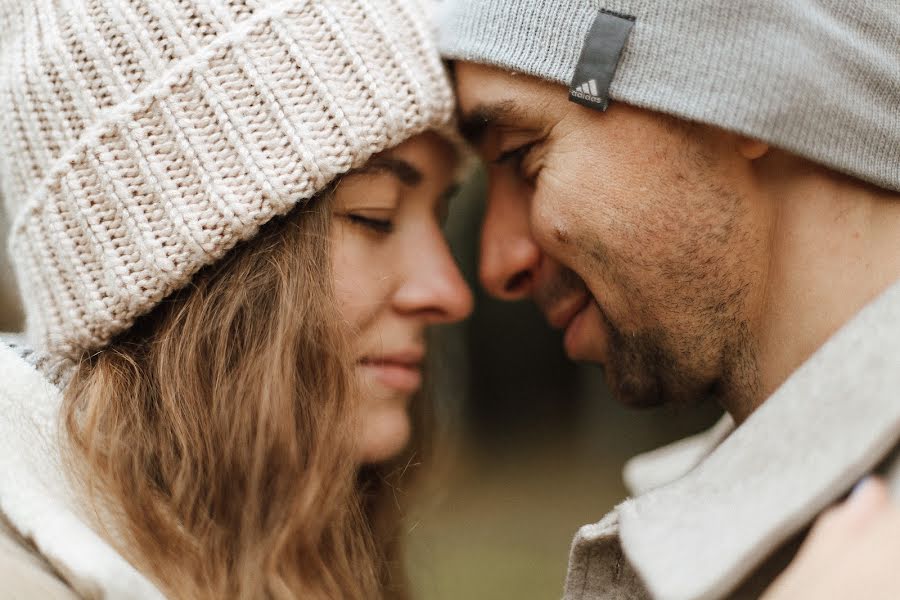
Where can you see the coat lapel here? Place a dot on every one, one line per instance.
(831, 422)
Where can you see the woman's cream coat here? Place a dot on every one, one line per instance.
(47, 549)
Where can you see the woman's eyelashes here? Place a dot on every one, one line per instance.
(380, 226)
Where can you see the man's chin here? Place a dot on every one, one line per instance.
(639, 393)
(630, 389)
(635, 393)
(642, 372)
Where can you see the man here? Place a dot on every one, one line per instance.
(706, 197)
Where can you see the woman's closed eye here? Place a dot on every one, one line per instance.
(377, 225)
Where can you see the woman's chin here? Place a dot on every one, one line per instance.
(384, 435)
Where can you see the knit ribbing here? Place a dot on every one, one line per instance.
(820, 78)
(144, 139)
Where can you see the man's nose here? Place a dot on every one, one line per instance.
(509, 255)
(433, 287)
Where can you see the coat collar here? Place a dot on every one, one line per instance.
(828, 425)
(36, 496)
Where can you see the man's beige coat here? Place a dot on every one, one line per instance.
(721, 514)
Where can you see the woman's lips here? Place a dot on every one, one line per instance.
(403, 374)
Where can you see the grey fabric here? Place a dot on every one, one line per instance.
(820, 78)
(726, 527)
(598, 569)
(659, 467)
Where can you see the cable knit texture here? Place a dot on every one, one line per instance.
(820, 78)
(141, 140)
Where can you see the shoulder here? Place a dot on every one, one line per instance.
(25, 573)
(17, 356)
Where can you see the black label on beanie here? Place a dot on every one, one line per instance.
(599, 59)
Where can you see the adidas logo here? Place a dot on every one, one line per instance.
(589, 87)
(588, 91)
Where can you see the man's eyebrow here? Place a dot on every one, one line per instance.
(474, 123)
(402, 170)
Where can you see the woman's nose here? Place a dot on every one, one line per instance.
(509, 255)
(434, 288)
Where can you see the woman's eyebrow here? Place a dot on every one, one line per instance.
(402, 170)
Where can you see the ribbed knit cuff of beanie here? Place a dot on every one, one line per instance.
(820, 78)
(143, 139)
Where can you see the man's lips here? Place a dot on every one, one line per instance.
(561, 315)
(573, 340)
(584, 339)
(401, 371)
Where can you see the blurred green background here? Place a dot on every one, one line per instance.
(533, 446)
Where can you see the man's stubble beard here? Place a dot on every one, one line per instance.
(645, 370)
(712, 353)
(652, 367)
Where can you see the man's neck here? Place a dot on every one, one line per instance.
(835, 246)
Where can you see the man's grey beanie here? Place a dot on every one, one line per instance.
(820, 78)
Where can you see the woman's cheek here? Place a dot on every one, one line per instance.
(361, 277)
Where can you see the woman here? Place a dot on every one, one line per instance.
(227, 238)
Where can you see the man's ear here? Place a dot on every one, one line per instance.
(752, 149)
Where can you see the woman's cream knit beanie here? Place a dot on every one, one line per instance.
(143, 139)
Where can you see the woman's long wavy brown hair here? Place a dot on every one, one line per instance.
(217, 436)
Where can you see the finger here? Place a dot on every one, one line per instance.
(868, 499)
